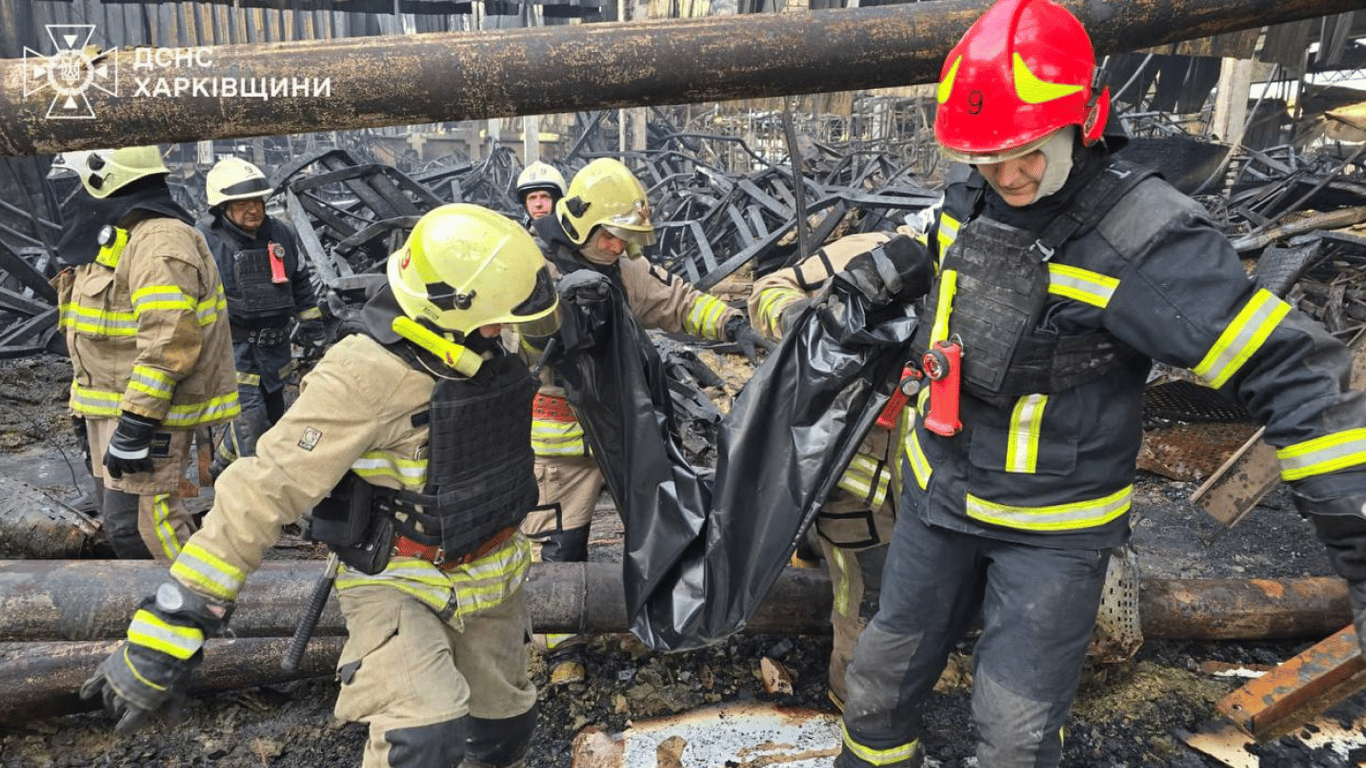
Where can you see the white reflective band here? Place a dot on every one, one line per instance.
(1054, 517)
(1322, 455)
(1081, 284)
(1022, 450)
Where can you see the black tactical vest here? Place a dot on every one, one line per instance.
(258, 296)
(1002, 291)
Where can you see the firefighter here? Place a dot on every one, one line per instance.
(1063, 272)
(269, 288)
(539, 187)
(604, 215)
(146, 326)
(854, 524)
(412, 438)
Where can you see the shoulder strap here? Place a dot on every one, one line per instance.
(1091, 204)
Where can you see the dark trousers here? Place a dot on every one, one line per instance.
(1038, 607)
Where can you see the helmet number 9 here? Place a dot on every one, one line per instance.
(975, 100)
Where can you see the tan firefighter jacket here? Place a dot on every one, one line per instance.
(872, 470)
(355, 411)
(148, 333)
(659, 299)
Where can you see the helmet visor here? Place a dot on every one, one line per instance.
(998, 156)
(633, 227)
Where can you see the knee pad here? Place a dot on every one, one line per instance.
(439, 745)
(119, 511)
(500, 743)
(1016, 732)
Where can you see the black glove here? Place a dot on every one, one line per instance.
(82, 440)
(584, 286)
(310, 333)
(130, 449)
(151, 670)
(749, 340)
(898, 270)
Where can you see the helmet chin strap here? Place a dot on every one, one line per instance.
(457, 357)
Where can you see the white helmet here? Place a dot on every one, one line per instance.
(233, 178)
(540, 177)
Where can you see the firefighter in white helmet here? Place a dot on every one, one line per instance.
(604, 216)
(410, 441)
(269, 288)
(539, 187)
(147, 329)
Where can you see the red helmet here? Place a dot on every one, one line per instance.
(1023, 70)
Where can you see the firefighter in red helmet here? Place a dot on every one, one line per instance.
(1061, 273)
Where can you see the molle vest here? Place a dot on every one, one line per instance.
(262, 290)
(480, 477)
(998, 305)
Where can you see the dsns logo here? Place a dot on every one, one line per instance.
(70, 72)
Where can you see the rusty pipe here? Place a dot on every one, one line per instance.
(182, 94)
(45, 600)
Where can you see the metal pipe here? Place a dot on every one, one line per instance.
(46, 600)
(365, 82)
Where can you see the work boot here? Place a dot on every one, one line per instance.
(567, 666)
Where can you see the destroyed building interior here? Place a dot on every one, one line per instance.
(1230, 643)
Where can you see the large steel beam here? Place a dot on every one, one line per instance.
(46, 600)
(410, 79)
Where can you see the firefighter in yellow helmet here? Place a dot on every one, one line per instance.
(539, 187)
(410, 441)
(602, 224)
(269, 288)
(146, 325)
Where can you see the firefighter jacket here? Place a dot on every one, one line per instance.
(362, 409)
(658, 299)
(147, 329)
(262, 298)
(1156, 278)
(873, 469)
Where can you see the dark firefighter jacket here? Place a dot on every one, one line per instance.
(260, 365)
(1056, 468)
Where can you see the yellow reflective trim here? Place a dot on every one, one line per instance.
(1081, 284)
(220, 408)
(773, 301)
(945, 88)
(312, 313)
(1322, 455)
(151, 382)
(704, 319)
(1032, 90)
(95, 322)
(1022, 448)
(867, 478)
(168, 297)
(1055, 517)
(209, 309)
(161, 524)
(920, 466)
(1243, 337)
(248, 379)
(408, 472)
(95, 402)
(211, 574)
(557, 438)
(947, 234)
(840, 559)
(887, 756)
(948, 288)
(177, 641)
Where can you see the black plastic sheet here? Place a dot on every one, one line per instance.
(702, 548)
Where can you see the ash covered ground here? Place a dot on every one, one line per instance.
(1125, 717)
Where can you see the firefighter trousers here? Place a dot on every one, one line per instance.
(432, 692)
(1038, 607)
(853, 541)
(143, 513)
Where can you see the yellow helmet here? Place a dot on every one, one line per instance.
(233, 178)
(105, 171)
(540, 177)
(465, 266)
(606, 194)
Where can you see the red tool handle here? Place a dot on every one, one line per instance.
(277, 263)
(942, 365)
